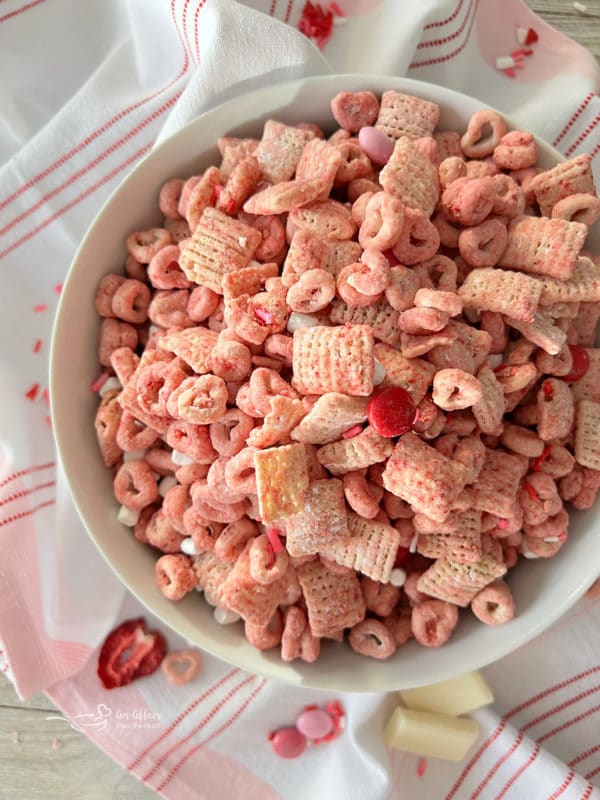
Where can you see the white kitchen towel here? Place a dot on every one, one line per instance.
(87, 89)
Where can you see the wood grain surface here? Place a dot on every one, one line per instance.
(42, 758)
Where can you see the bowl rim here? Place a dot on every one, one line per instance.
(202, 640)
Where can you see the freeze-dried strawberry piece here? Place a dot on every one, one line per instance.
(130, 652)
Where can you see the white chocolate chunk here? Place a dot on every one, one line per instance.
(134, 455)
(127, 516)
(167, 483)
(224, 616)
(457, 696)
(181, 459)
(436, 735)
(109, 385)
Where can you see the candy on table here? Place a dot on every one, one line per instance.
(314, 725)
(454, 697)
(429, 734)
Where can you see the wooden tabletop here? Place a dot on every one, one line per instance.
(46, 759)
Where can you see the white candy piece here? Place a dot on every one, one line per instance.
(188, 547)
(109, 385)
(225, 617)
(494, 360)
(436, 735)
(412, 547)
(167, 483)
(397, 577)
(127, 516)
(455, 697)
(379, 373)
(505, 62)
(181, 459)
(297, 321)
(134, 455)
(521, 35)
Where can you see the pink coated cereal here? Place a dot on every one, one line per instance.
(494, 605)
(354, 110)
(164, 270)
(468, 200)
(516, 150)
(135, 486)
(175, 576)
(168, 198)
(267, 566)
(382, 226)
(483, 245)
(181, 666)
(373, 639)
(484, 133)
(144, 245)
(433, 622)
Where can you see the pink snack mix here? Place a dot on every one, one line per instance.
(303, 296)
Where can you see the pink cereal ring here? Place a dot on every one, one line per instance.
(509, 199)
(175, 576)
(144, 245)
(113, 335)
(135, 486)
(266, 566)
(266, 384)
(124, 362)
(175, 503)
(448, 302)
(228, 435)
(578, 207)
(312, 292)
(273, 240)
(359, 207)
(398, 624)
(373, 639)
(483, 245)
(189, 473)
(380, 598)
(348, 293)
(484, 132)
(105, 292)
(419, 239)
(160, 461)
(451, 169)
(355, 162)
(281, 346)
(133, 269)
(375, 276)
(233, 539)
(202, 531)
(402, 288)
(202, 303)
(240, 473)
(382, 225)
(455, 389)
(468, 201)
(181, 666)
(164, 270)
(268, 636)
(134, 435)
(354, 110)
(159, 533)
(494, 604)
(155, 384)
(516, 150)
(169, 308)
(179, 230)
(130, 302)
(359, 496)
(447, 231)
(191, 440)
(360, 186)
(418, 321)
(204, 400)
(186, 192)
(433, 621)
(215, 478)
(230, 360)
(211, 508)
(168, 198)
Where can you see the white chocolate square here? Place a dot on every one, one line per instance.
(459, 695)
(436, 735)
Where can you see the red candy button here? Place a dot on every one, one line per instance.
(391, 412)
(402, 556)
(130, 652)
(581, 364)
(288, 742)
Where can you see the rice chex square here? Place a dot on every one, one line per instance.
(370, 548)
(333, 601)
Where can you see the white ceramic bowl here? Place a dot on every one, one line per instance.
(543, 589)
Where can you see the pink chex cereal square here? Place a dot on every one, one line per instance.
(333, 601)
(369, 548)
(254, 602)
(459, 583)
(323, 519)
(495, 489)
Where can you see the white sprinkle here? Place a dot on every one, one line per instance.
(412, 547)
(505, 62)
(297, 321)
(111, 384)
(225, 616)
(494, 360)
(521, 35)
(580, 7)
(181, 459)
(189, 548)
(528, 554)
(134, 455)
(167, 483)
(551, 539)
(127, 516)
(379, 373)
(243, 241)
(397, 577)
(155, 329)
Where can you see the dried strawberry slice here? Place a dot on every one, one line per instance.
(130, 652)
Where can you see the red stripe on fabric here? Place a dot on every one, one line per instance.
(446, 39)
(583, 756)
(98, 160)
(199, 8)
(516, 710)
(496, 767)
(583, 136)
(181, 717)
(205, 720)
(454, 53)
(135, 157)
(443, 22)
(214, 735)
(588, 791)
(519, 772)
(564, 785)
(586, 101)
(273, 7)
(563, 726)
(23, 514)
(107, 125)
(288, 12)
(26, 492)
(27, 471)
(21, 10)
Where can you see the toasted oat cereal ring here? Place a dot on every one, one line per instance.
(232, 540)
(539, 498)
(451, 169)
(558, 366)
(144, 245)
(398, 624)
(419, 239)
(273, 233)
(483, 245)
(267, 566)
(348, 293)
(202, 303)
(160, 460)
(509, 198)
(217, 483)
(105, 292)
(175, 503)
(579, 207)
(375, 276)
(106, 423)
(433, 621)
(484, 133)
(266, 384)
(516, 150)
(359, 208)
(186, 191)
(380, 598)
(189, 473)
(164, 270)
(265, 637)
(383, 223)
(312, 292)
(354, 164)
(133, 269)
(359, 495)
(168, 308)
(422, 320)
(447, 232)
(448, 302)
(168, 197)
(280, 346)
(550, 527)
(113, 335)
(203, 400)
(468, 200)
(494, 605)
(240, 472)
(133, 434)
(203, 532)
(175, 576)
(230, 360)
(439, 272)
(160, 533)
(181, 666)
(524, 178)
(354, 110)
(402, 288)
(124, 362)
(540, 548)
(135, 486)
(191, 440)
(130, 301)
(455, 389)
(373, 639)
(155, 384)
(208, 506)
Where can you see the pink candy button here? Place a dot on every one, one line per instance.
(288, 742)
(314, 724)
(376, 145)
